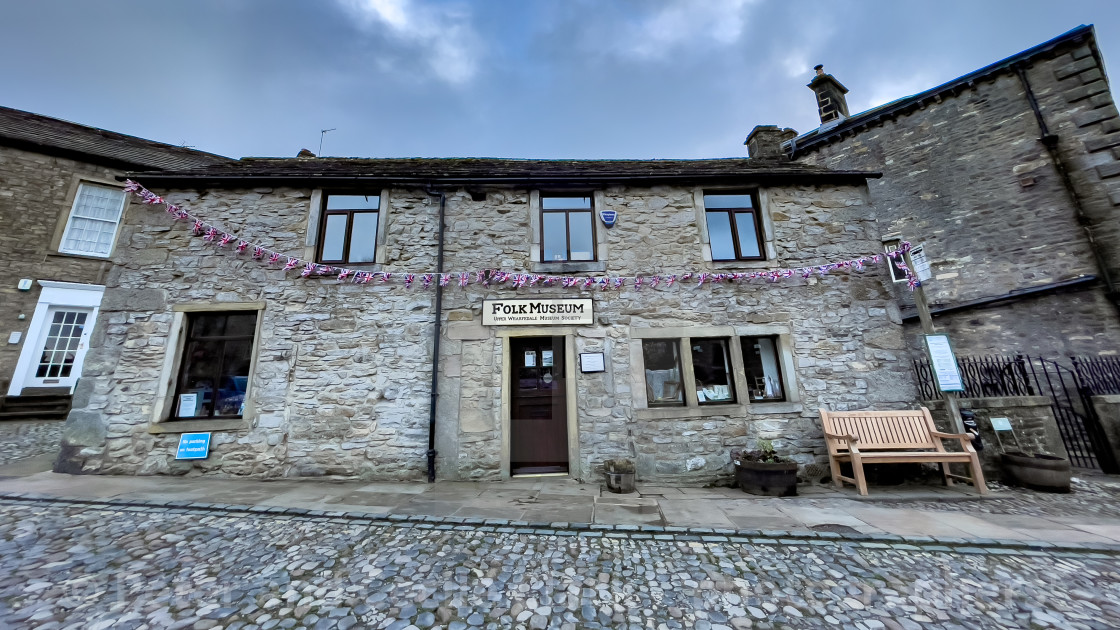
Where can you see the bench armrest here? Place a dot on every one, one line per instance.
(951, 436)
(850, 439)
(965, 438)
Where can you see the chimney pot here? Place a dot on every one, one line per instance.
(831, 104)
(765, 141)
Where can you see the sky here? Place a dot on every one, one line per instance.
(496, 78)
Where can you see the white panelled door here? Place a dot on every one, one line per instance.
(57, 339)
(62, 343)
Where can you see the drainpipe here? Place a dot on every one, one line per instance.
(1050, 141)
(435, 345)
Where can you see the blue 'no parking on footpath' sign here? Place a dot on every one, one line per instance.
(193, 446)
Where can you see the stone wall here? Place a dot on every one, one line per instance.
(1108, 410)
(35, 197)
(1031, 418)
(967, 176)
(341, 370)
(341, 385)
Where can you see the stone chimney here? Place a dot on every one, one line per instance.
(765, 141)
(304, 153)
(830, 96)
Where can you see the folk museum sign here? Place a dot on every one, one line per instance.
(536, 312)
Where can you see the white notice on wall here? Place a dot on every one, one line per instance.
(944, 364)
(546, 358)
(591, 362)
(921, 263)
(188, 403)
(530, 358)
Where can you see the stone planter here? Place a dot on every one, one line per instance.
(620, 483)
(766, 479)
(1048, 473)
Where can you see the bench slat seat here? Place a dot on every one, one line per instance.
(890, 437)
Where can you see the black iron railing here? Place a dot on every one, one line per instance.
(984, 376)
(1101, 375)
(1070, 391)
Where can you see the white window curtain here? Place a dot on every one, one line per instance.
(93, 221)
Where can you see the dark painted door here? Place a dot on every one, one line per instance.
(538, 415)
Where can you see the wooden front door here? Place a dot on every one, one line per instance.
(538, 414)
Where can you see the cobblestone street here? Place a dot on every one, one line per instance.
(23, 440)
(73, 566)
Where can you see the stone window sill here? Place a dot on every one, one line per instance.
(108, 258)
(567, 267)
(192, 426)
(775, 407)
(673, 413)
(742, 264)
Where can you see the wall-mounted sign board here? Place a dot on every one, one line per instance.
(592, 362)
(193, 446)
(944, 364)
(536, 312)
(1001, 424)
(921, 263)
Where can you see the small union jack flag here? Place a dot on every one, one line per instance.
(241, 245)
(291, 264)
(464, 278)
(198, 227)
(274, 259)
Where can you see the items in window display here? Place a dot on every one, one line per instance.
(764, 372)
(712, 369)
(492, 277)
(216, 363)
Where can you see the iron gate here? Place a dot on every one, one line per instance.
(1069, 389)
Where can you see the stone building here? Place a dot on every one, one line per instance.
(60, 208)
(552, 357)
(1009, 177)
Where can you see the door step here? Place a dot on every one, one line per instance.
(40, 407)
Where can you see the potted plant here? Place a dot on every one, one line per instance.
(1048, 473)
(764, 472)
(620, 475)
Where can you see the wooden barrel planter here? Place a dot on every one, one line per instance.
(766, 479)
(1048, 473)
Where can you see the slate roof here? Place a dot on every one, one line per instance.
(834, 131)
(496, 171)
(52, 136)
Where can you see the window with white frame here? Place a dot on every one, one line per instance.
(93, 222)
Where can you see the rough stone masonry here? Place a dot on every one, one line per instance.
(341, 375)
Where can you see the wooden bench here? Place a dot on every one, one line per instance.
(888, 437)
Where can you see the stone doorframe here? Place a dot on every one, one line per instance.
(575, 471)
(64, 294)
